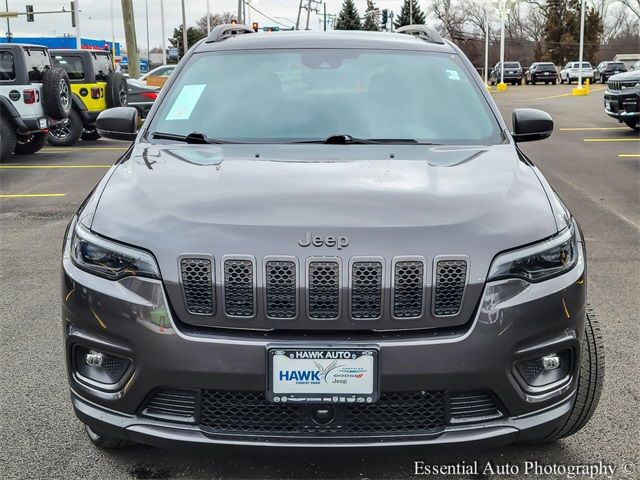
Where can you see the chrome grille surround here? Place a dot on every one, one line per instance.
(324, 276)
(619, 85)
(281, 287)
(366, 287)
(408, 284)
(197, 280)
(450, 275)
(239, 286)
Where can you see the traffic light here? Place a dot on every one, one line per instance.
(255, 26)
(29, 13)
(385, 17)
(73, 14)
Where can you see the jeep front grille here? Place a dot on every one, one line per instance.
(366, 290)
(239, 291)
(281, 289)
(197, 284)
(450, 281)
(619, 85)
(324, 290)
(408, 288)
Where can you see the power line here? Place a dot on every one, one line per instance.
(263, 14)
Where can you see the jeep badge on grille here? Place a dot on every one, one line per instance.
(337, 241)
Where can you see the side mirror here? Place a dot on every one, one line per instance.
(119, 123)
(530, 124)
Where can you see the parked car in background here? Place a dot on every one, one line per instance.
(622, 98)
(95, 86)
(34, 96)
(158, 76)
(606, 69)
(571, 72)
(541, 72)
(512, 73)
(141, 96)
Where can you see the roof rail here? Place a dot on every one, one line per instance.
(423, 32)
(222, 32)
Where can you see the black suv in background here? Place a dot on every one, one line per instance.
(622, 98)
(541, 72)
(512, 73)
(604, 70)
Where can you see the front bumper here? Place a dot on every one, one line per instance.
(622, 106)
(514, 321)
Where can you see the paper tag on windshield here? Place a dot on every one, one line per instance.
(185, 102)
(453, 75)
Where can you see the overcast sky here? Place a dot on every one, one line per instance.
(95, 18)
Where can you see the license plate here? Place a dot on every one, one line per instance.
(546, 73)
(42, 123)
(322, 375)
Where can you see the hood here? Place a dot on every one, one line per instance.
(262, 200)
(625, 76)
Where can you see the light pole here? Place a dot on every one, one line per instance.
(580, 89)
(208, 19)
(113, 35)
(185, 43)
(503, 6)
(486, 50)
(77, 15)
(146, 12)
(164, 39)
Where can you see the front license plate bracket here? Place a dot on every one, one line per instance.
(331, 374)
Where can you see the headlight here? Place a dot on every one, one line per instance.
(539, 262)
(110, 259)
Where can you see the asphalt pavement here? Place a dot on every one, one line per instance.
(592, 161)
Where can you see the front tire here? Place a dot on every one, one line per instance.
(90, 134)
(30, 144)
(7, 136)
(105, 443)
(590, 379)
(67, 133)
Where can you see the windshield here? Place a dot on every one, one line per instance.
(279, 96)
(546, 66)
(615, 65)
(511, 65)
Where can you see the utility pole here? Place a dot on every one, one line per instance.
(410, 12)
(297, 21)
(240, 11)
(308, 14)
(113, 35)
(581, 56)
(130, 37)
(164, 39)
(486, 49)
(146, 12)
(77, 15)
(208, 19)
(324, 12)
(9, 35)
(185, 42)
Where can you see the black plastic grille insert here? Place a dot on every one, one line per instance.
(451, 276)
(281, 289)
(197, 285)
(239, 288)
(250, 413)
(408, 288)
(366, 290)
(324, 290)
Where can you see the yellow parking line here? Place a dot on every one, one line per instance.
(19, 167)
(584, 129)
(564, 94)
(629, 155)
(30, 195)
(612, 139)
(80, 149)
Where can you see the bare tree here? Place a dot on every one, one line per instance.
(633, 5)
(450, 16)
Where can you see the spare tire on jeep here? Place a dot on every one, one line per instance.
(56, 93)
(117, 94)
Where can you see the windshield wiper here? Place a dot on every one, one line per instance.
(346, 139)
(193, 137)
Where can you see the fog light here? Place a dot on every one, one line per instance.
(94, 359)
(546, 370)
(99, 368)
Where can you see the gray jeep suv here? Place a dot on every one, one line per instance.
(327, 239)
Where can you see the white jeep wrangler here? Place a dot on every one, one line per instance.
(34, 96)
